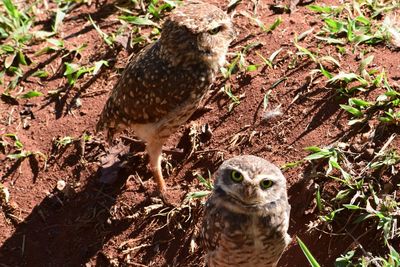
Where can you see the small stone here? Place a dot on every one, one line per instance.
(61, 184)
(78, 103)
(65, 189)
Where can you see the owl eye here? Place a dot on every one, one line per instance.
(236, 176)
(215, 30)
(265, 184)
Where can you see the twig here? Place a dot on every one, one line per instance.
(357, 242)
(139, 180)
(126, 251)
(130, 241)
(23, 245)
(208, 151)
(137, 264)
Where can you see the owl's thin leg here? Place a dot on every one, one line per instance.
(154, 149)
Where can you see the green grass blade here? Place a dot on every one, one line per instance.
(313, 262)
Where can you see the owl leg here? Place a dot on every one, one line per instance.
(154, 149)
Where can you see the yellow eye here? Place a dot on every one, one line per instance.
(236, 176)
(215, 30)
(265, 184)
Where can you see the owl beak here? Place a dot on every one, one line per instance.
(249, 192)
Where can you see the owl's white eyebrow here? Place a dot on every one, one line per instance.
(264, 176)
(233, 168)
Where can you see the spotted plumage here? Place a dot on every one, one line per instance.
(163, 85)
(247, 216)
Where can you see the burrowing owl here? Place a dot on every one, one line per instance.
(247, 215)
(162, 86)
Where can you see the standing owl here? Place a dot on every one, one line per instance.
(247, 215)
(163, 85)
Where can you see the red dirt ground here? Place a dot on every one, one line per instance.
(91, 224)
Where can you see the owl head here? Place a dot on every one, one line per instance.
(250, 181)
(197, 31)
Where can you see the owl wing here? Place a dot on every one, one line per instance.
(288, 239)
(148, 89)
(213, 226)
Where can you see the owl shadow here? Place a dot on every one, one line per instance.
(172, 234)
(72, 223)
(66, 228)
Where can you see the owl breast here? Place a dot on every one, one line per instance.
(244, 239)
(167, 125)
